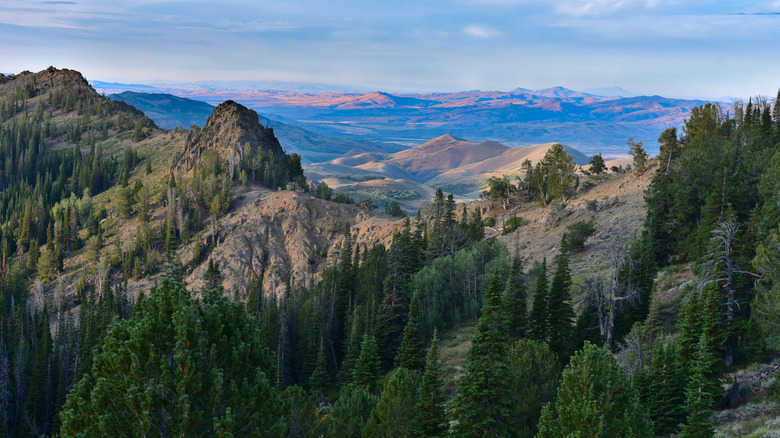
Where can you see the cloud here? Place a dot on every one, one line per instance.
(478, 31)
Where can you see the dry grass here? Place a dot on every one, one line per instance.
(453, 349)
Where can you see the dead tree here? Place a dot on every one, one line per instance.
(721, 269)
(611, 295)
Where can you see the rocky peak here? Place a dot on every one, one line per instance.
(47, 79)
(232, 129)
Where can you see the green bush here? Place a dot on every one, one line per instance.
(514, 222)
(577, 234)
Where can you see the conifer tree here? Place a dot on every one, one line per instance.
(351, 412)
(560, 312)
(367, 368)
(39, 405)
(483, 404)
(319, 377)
(212, 277)
(179, 367)
(431, 419)
(411, 354)
(595, 399)
(700, 393)
(515, 301)
(347, 370)
(393, 414)
(666, 389)
(535, 373)
(539, 318)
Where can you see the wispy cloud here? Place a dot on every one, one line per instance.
(479, 31)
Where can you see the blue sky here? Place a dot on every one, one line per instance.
(681, 48)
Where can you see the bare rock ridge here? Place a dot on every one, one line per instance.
(49, 78)
(233, 130)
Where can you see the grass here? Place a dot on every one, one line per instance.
(453, 348)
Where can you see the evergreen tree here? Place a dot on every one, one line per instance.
(539, 317)
(535, 373)
(319, 377)
(515, 301)
(179, 367)
(431, 419)
(597, 165)
(560, 312)
(700, 393)
(347, 370)
(39, 405)
(351, 412)
(637, 150)
(393, 414)
(666, 389)
(483, 405)
(213, 277)
(595, 399)
(367, 368)
(411, 354)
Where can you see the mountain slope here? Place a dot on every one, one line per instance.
(443, 153)
(167, 111)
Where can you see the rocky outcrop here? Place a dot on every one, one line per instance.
(233, 130)
(276, 235)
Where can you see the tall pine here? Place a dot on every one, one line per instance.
(515, 305)
(539, 318)
(483, 405)
(411, 354)
(431, 418)
(560, 313)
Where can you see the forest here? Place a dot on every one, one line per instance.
(359, 353)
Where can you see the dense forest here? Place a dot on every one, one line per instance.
(359, 353)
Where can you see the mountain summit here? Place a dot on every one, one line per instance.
(233, 130)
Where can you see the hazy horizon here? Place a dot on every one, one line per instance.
(686, 49)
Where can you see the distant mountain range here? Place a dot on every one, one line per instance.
(383, 171)
(169, 111)
(600, 120)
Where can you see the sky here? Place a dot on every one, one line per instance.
(675, 48)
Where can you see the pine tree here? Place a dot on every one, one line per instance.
(539, 311)
(350, 412)
(179, 367)
(700, 393)
(347, 370)
(535, 373)
(666, 389)
(367, 368)
(431, 419)
(483, 404)
(595, 399)
(213, 277)
(393, 414)
(597, 165)
(39, 405)
(319, 378)
(637, 151)
(515, 301)
(560, 312)
(411, 354)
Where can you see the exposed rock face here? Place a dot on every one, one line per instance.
(49, 78)
(233, 130)
(273, 235)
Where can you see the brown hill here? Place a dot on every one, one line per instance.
(442, 154)
(233, 130)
